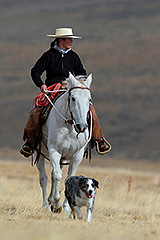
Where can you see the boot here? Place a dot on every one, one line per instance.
(32, 134)
(102, 146)
(26, 150)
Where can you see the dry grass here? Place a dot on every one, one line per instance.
(127, 204)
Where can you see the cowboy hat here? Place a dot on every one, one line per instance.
(63, 33)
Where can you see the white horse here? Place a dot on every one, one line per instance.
(65, 141)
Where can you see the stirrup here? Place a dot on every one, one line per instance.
(25, 153)
(107, 143)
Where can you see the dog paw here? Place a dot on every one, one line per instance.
(89, 219)
(80, 217)
(71, 216)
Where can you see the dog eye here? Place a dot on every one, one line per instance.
(73, 99)
(87, 185)
(82, 185)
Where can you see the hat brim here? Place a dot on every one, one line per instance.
(63, 36)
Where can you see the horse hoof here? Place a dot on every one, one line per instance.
(56, 206)
(59, 210)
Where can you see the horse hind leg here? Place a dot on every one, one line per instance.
(66, 207)
(43, 181)
(50, 198)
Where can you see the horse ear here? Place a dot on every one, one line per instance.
(89, 80)
(72, 79)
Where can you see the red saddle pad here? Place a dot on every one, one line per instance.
(41, 100)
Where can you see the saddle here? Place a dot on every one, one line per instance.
(40, 110)
(46, 109)
(42, 105)
(41, 101)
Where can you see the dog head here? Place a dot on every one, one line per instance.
(88, 186)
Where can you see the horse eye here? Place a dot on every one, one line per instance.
(73, 99)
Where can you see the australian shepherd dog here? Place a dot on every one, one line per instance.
(80, 191)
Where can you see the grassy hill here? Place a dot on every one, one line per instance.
(120, 46)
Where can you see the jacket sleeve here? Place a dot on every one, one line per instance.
(78, 67)
(38, 69)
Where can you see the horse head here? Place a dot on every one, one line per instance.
(79, 101)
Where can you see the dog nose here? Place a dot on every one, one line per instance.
(90, 192)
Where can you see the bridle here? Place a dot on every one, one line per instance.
(67, 121)
(69, 99)
(79, 88)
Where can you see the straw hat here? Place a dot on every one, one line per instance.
(63, 33)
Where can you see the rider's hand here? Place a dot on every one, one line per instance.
(43, 88)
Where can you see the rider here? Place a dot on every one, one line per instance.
(57, 62)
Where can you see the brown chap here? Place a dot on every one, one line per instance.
(96, 128)
(32, 130)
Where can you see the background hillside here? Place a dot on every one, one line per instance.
(120, 46)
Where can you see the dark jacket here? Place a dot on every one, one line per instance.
(57, 67)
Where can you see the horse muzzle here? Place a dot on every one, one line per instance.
(80, 128)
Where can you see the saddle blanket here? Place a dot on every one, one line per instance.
(41, 101)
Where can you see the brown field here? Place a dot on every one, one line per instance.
(122, 210)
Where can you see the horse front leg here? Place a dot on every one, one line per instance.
(56, 177)
(73, 166)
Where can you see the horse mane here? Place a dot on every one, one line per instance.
(82, 79)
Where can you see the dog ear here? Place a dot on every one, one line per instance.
(82, 182)
(96, 183)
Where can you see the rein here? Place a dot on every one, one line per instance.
(67, 121)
